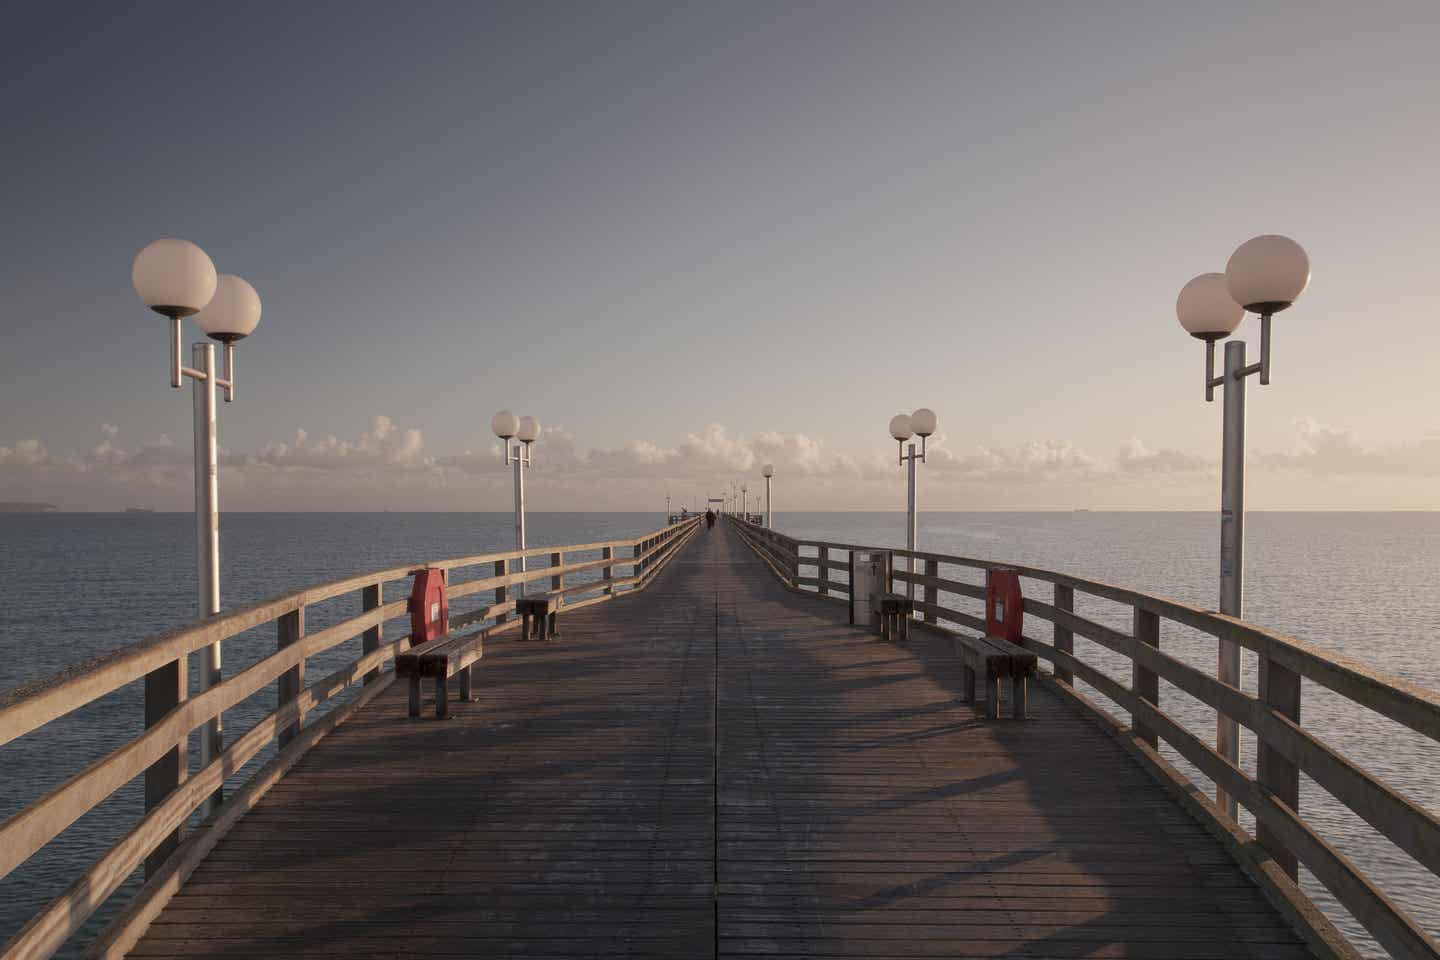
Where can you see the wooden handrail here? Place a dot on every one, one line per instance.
(31, 707)
(1272, 796)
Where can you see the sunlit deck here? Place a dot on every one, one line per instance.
(719, 766)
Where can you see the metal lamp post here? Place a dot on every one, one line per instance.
(921, 423)
(526, 430)
(176, 279)
(744, 502)
(1264, 275)
(768, 473)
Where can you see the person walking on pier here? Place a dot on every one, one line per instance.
(709, 519)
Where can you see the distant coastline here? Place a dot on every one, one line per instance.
(25, 506)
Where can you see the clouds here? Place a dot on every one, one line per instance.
(1337, 452)
(382, 446)
(388, 466)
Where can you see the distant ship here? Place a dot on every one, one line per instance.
(138, 510)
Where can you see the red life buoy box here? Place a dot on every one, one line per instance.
(1004, 606)
(429, 611)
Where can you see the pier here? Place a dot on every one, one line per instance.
(711, 760)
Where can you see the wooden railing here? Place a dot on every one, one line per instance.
(173, 793)
(1285, 747)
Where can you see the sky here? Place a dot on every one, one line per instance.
(692, 239)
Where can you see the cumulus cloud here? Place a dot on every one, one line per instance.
(1335, 451)
(383, 445)
(387, 466)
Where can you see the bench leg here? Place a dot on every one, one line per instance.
(992, 696)
(553, 626)
(904, 619)
(1018, 697)
(525, 625)
(465, 686)
(968, 685)
(442, 698)
(415, 696)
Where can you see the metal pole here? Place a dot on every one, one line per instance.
(520, 507)
(910, 523)
(769, 517)
(1232, 548)
(207, 543)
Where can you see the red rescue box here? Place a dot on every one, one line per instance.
(429, 610)
(1004, 606)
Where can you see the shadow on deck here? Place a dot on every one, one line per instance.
(861, 810)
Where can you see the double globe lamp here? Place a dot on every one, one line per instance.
(922, 423)
(526, 430)
(176, 279)
(1264, 275)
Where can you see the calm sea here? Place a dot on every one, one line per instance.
(77, 585)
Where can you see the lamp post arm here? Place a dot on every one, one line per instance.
(1263, 367)
(229, 382)
(1211, 381)
(179, 371)
(1264, 349)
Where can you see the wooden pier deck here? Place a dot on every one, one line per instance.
(718, 767)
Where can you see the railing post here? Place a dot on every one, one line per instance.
(635, 572)
(931, 596)
(289, 628)
(557, 580)
(370, 598)
(824, 557)
(1064, 638)
(165, 689)
(502, 592)
(1145, 682)
(1280, 690)
(607, 572)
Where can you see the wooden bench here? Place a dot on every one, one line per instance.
(996, 659)
(895, 610)
(440, 660)
(539, 616)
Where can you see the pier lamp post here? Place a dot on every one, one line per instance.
(744, 502)
(1264, 275)
(526, 430)
(768, 472)
(921, 423)
(176, 279)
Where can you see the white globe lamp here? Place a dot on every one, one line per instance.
(173, 277)
(505, 424)
(233, 312)
(1205, 308)
(1268, 273)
